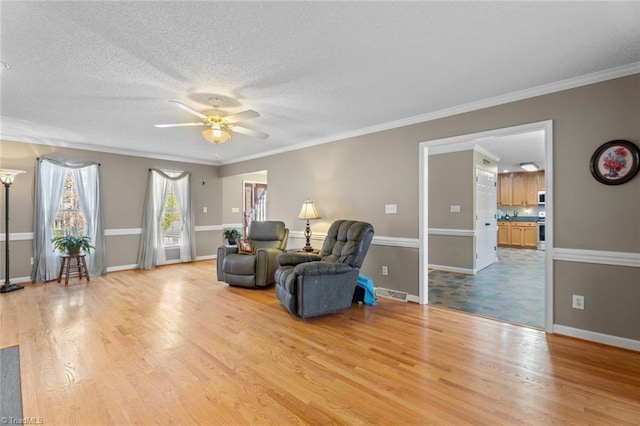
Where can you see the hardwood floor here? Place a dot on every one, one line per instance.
(173, 345)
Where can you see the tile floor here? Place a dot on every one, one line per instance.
(511, 290)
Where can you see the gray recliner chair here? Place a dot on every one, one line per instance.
(254, 270)
(310, 284)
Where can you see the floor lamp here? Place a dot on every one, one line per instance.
(7, 177)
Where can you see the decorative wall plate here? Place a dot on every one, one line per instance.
(615, 162)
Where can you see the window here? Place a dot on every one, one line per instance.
(69, 219)
(171, 221)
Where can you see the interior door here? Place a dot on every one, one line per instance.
(486, 219)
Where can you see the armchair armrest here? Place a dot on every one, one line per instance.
(222, 252)
(293, 259)
(322, 268)
(266, 265)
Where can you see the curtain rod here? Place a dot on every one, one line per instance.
(38, 159)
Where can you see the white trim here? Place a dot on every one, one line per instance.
(453, 269)
(122, 267)
(396, 242)
(453, 232)
(414, 299)
(18, 236)
(377, 240)
(558, 86)
(122, 231)
(598, 257)
(607, 339)
(206, 257)
(231, 225)
(205, 228)
(19, 280)
(316, 236)
(467, 141)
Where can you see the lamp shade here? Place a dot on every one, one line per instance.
(216, 135)
(308, 211)
(7, 176)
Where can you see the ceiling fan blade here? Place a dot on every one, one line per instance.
(249, 132)
(240, 116)
(178, 125)
(189, 109)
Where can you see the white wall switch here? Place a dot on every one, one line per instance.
(454, 209)
(391, 208)
(235, 210)
(385, 270)
(204, 210)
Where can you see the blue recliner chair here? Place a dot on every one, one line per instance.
(310, 284)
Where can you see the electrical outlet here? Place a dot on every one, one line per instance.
(578, 302)
(32, 260)
(385, 270)
(391, 208)
(204, 210)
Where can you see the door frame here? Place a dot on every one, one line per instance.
(466, 142)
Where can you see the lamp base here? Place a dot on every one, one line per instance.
(307, 248)
(10, 287)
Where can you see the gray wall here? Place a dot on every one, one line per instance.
(124, 182)
(232, 192)
(355, 177)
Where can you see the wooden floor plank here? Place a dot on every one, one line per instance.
(173, 345)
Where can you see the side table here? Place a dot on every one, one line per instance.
(79, 269)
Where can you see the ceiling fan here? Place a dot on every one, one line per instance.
(220, 126)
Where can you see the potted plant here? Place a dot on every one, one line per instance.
(71, 244)
(231, 235)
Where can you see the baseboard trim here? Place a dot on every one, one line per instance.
(606, 339)
(452, 269)
(122, 268)
(18, 280)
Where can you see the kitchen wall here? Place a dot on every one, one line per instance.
(356, 177)
(123, 184)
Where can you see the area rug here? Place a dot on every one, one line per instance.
(10, 388)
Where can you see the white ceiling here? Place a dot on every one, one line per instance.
(98, 75)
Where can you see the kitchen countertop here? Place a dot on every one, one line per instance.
(521, 219)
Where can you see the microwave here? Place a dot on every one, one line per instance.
(541, 198)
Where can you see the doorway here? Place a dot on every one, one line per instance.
(466, 142)
(254, 202)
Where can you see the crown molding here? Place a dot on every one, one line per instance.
(570, 83)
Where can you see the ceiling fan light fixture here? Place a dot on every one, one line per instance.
(530, 167)
(216, 135)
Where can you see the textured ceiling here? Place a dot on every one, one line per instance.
(98, 75)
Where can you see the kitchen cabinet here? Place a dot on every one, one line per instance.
(519, 189)
(504, 239)
(517, 234)
(504, 189)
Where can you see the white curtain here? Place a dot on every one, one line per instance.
(185, 197)
(87, 182)
(152, 251)
(50, 175)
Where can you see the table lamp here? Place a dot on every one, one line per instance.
(308, 211)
